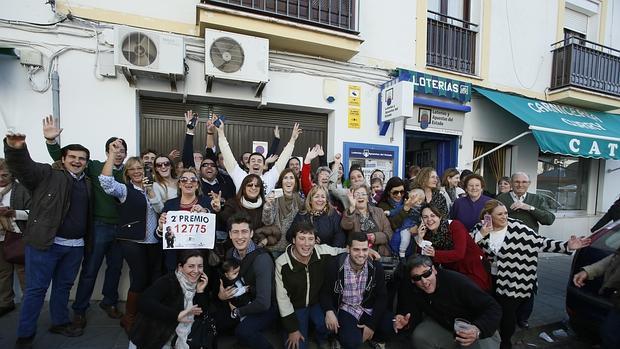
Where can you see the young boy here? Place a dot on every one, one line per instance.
(230, 277)
(402, 240)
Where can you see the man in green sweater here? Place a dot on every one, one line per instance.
(104, 244)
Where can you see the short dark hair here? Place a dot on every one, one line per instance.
(303, 225)
(238, 218)
(184, 255)
(230, 264)
(473, 176)
(257, 153)
(146, 151)
(433, 209)
(288, 163)
(417, 261)
(112, 139)
(356, 236)
(74, 147)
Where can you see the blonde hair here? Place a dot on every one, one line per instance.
(489, 206)
(130, 163)
(311, 193)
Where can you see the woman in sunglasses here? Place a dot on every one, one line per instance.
(249, 200)
(165, 186)
(137, 225)
(371, 220)
(188, 199)
(452, 246)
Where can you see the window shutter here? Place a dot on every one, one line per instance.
(575, 21)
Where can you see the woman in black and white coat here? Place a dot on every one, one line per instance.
(512, 249)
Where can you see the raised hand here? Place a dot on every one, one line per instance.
(174, 154)
(216, 201)
(16, 140)
(271, 159)
(50, 129)
(320, 150)
(311, 155)
(296, 132)
(203, 280)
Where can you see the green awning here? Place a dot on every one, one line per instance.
(564, 129)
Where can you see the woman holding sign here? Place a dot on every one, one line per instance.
(137, 224)
(188, 199)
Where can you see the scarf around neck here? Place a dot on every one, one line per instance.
(251, 205)
(441, 238)
(183, 328)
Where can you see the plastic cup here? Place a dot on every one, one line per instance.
(461, 325)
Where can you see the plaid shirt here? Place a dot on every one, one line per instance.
(353, 291)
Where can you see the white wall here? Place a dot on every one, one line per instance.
(520, 37)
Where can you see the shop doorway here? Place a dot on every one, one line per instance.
(427, 149)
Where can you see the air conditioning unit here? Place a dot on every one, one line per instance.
(237, 57)
(148, 53)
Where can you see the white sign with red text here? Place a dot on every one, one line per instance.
(185, 230)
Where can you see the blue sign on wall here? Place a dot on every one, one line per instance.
(437, 86)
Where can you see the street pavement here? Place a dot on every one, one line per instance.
(104, 333)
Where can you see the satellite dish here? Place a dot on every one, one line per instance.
(138, 49)
(226, 55)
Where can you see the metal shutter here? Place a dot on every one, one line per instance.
(576, 21)
(162, 126)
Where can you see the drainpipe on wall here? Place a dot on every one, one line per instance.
(56, 99)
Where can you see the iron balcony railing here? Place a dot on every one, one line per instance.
(451, 43)
(585, 64)
(340, 15)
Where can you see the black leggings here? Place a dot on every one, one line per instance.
(144, 262)
(509, 318)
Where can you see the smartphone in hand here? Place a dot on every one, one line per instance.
(278, 193)
(488, 220)
(218, 121)
(192, 123)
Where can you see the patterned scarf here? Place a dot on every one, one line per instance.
(184, 328)
(441, 238)
(320, 212)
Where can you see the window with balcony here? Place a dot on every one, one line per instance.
(331, 14)
(451, 37)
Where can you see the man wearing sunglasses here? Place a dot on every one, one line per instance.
(434, 298)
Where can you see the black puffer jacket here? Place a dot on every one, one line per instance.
(158, 309)
(50, 188)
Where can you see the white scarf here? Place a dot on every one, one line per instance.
(184, 328)
(251, 205)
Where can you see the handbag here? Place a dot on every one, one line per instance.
(14, 248)
(203, 333)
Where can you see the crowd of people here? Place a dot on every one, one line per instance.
(319, 257)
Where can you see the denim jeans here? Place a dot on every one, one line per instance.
(313, 314)
(350, 336)
(249, 330)
(58, 265)
(104, 244)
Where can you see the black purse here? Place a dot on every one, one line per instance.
(203, 333)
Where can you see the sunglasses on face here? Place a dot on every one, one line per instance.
(207, 164)
(255, 185)
(163, 164)
(188, 179)
(397, 192)
(424, 275)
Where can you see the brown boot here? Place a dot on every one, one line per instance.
(131, 310)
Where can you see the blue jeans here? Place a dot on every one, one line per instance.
(609, 330)
(315, 314)
(104, 244)
(249, 331)
(59, 265)
(350, 336)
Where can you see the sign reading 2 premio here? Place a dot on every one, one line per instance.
(564, 129)
(442, 87)
(397, 101)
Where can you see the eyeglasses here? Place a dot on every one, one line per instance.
(207, 164)
(397, 192)
(163, 164)
(188, 179)
(360, 195)
(255, 185)
(424, 275)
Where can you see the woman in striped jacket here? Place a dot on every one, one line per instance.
(512, 249)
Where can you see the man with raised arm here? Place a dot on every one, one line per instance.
(257, 161)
